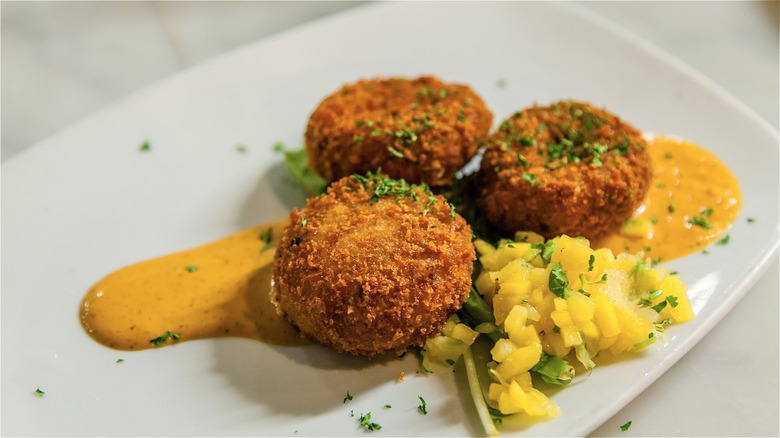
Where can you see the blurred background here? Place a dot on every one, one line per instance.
(62, 61)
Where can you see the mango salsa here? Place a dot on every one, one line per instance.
(563, 299)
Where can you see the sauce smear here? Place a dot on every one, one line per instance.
(692, 201)
(219, 289)
(222, 288)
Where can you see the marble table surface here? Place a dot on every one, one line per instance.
(62, 61)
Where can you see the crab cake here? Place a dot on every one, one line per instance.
(422, 130)
(567, 168)
(373, 265)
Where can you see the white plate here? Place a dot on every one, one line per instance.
(87, 202)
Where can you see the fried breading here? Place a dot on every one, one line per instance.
(373, 265)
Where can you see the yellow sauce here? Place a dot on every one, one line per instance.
(219, 289)
(222, 288)
(692, 201)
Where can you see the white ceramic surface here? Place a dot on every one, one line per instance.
(86, 202)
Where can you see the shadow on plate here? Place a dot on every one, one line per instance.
(274, 195)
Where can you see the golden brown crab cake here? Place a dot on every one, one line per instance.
(373, 265)
(422, 130)
(567, 168)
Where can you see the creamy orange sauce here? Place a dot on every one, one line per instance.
(222, 288)
(692, 201)
(219, 289)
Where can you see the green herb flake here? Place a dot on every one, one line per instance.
(751, 220)
(120, 360)
(38, 393)
(348, 397)
(724, 240)
(365, 421)
(558, 281)
(591, 260)
(265, 237)
(700, 221)
(190, 268)
(423, 407)
(241, 149)
(625, 427)
(395, 152)
(501, 83)
(145, 146)
(160, 340)
(304, 221)
(530, 177)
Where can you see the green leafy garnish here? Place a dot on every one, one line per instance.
(39, 393)
(191, 268)
(554, 370)
(145, 146)
(365, 421)
(164, 337)
(265, 237)
(558, 281)
(297, 165)
(724, 240)
(625, 427)
(348, 397)
(423, 406)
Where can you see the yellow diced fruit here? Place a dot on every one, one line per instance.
(573, 255)
(503, 304)
(673, 286)
(442, 349)
(605, 316)
(483, 247)
(516, 270)
(526, 336)
(503, 255)
(519, 361)
(581, 308)
(502, 349)
(562, 318)
(517, 287)
(464, 333)
(485, 284)
(528, 237)
(570, 335)
(515, 321)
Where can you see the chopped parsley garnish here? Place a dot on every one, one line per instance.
(423, 407)
(388, 406)
(558, 281)
(164, 337)
(724, 240)
(348, 397)
(545, 250)
(303, 222)
(395, 152)
(191, 268)
(265, 237)
(145, 146)
(38, 393)
(120, 360)
(700, 221)
(530, 177)
(591, 260)
(365, 421)
(241, 148)
(751, 220)
(625, 427)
